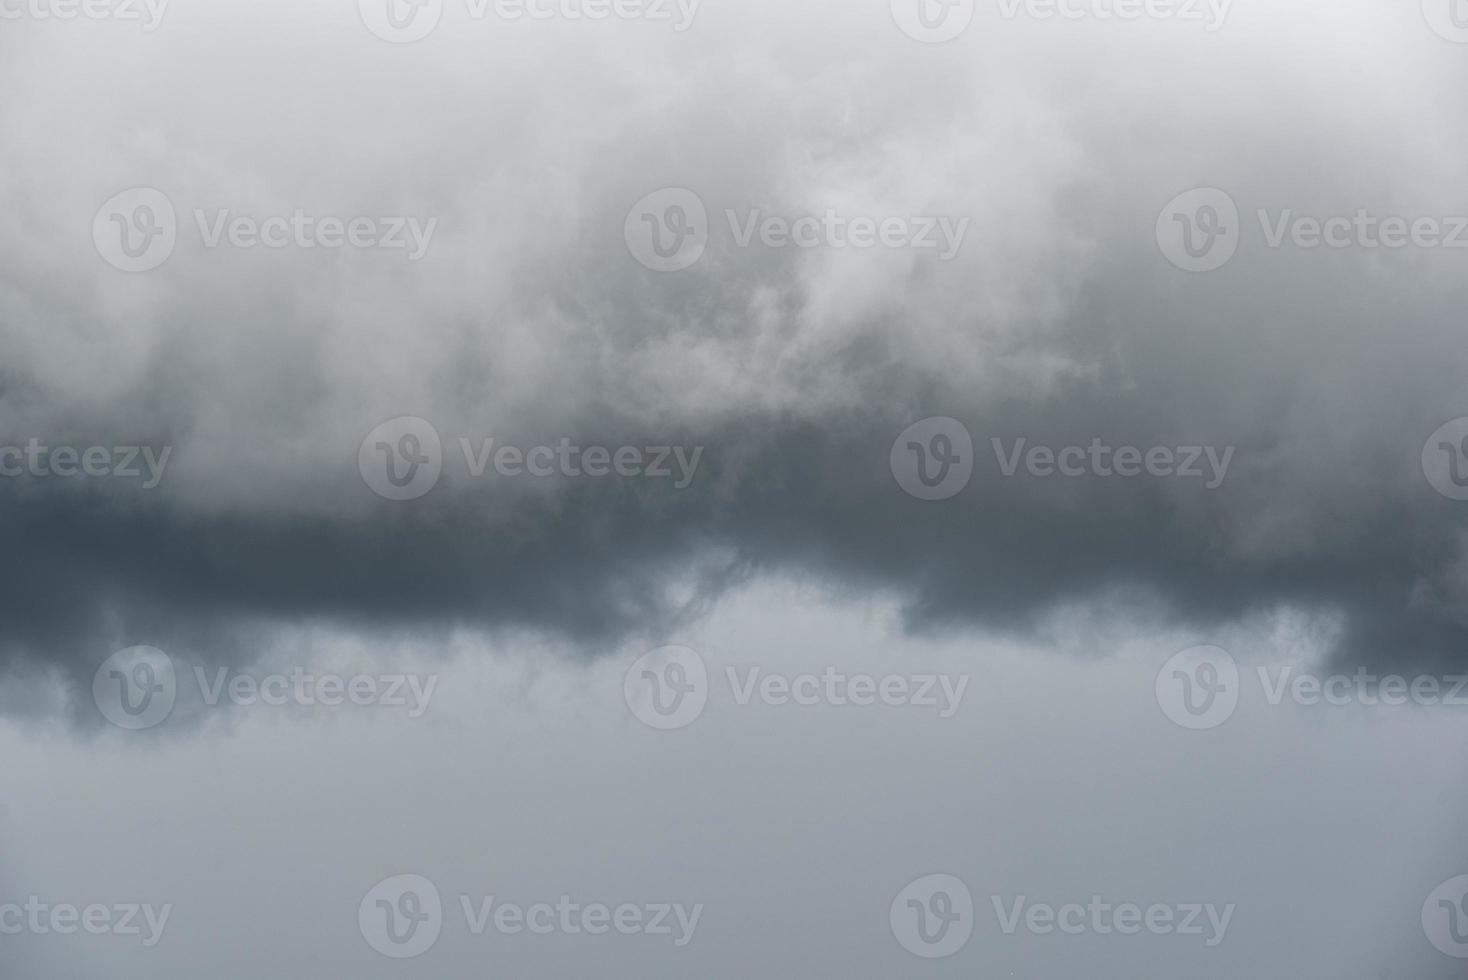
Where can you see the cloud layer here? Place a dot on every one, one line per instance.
(1058, 322)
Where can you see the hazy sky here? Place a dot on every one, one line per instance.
(976, 351)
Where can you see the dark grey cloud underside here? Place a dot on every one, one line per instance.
(606, 560)
(1326, 370)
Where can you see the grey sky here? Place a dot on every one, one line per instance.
(516, 151)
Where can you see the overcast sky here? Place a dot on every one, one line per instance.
(1082, 381)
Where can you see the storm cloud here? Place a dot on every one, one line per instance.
(1058, 322)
